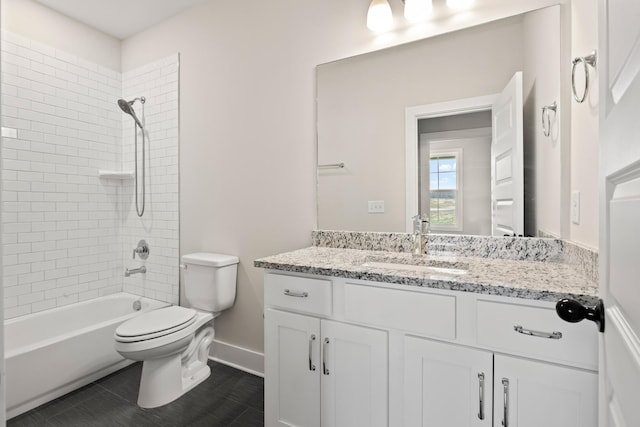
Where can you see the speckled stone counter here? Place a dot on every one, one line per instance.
(547, 281)
(514, 248)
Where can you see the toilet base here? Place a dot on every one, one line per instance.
(166, 379)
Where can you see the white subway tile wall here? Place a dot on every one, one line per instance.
(66, 232)
(158, 83)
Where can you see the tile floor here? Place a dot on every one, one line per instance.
(229, 397)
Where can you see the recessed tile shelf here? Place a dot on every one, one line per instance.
(107, 174)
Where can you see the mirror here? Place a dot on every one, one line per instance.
(362, 105)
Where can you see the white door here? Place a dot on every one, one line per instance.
(618, 67)
(446, 384)
(538, 394)
(354, 376)
(292, 383)
(507, 176)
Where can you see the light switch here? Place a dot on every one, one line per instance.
(575, 207)
(376, 206)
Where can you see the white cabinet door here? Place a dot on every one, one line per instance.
(292, 357)
(354, 376)
(535, 394)
(446, 384)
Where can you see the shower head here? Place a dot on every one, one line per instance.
(127, 107)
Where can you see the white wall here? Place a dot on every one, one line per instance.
(543, 156)
(584, 127)
(34, 21)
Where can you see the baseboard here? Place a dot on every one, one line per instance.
(237, 357)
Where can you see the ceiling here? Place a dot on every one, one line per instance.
(120, 18)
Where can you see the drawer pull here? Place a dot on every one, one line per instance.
(481, 395)
(312, 338)
(289, 293)
(505, 396)
(555, 335)
(325, 344)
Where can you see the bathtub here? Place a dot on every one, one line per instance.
(53, 352)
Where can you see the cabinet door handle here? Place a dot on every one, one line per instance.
(289, 293)
(481, 395)
(555, 335)
(312, 338)
(505, 395)
(325, 345)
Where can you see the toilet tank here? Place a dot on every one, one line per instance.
(210, 280)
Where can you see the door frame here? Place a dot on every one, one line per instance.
(412, 141)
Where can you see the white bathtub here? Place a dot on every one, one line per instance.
(53, 352)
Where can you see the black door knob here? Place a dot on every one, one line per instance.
(572, 311)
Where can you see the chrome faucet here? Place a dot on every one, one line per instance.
(142, 250)
(129, 272)
(420, 235)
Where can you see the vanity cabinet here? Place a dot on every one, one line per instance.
(446, 384)
(319, 372)
(451, 385)
(532, 394)
(344, 352)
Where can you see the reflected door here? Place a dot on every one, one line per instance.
(507, 190)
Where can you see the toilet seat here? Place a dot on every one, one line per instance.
(156, 324)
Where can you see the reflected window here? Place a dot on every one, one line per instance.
(445, 190)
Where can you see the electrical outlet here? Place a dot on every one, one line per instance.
(575, 207)
(376, 206)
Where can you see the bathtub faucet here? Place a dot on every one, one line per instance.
(128, 272)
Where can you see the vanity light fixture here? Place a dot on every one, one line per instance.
(417, 10)
(459, 4)
(379, 16)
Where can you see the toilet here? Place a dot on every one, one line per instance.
(173, 342)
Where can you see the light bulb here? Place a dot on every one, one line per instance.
(379, 17)
(417, 10)
(459, 4)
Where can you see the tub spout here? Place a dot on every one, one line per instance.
(129, 272)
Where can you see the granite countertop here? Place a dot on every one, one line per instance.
(546, 281)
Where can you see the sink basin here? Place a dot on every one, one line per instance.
(418, 264)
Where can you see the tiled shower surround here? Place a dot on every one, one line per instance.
(158, 83)
(68, 235)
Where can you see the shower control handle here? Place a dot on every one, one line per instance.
(142, 250)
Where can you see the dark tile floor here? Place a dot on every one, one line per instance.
(229, 397)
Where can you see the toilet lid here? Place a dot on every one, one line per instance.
(156, 323)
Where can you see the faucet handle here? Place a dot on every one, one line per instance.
(142, 250)
(421, 223)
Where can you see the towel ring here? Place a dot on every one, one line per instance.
(546, 117)
(590, 59)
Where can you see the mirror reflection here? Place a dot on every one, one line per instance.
(454, 172)
(362, 118)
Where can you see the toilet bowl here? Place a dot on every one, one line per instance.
(173, 342)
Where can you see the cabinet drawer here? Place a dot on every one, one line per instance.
(418, 312)
(497, 324)
(298, 293)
